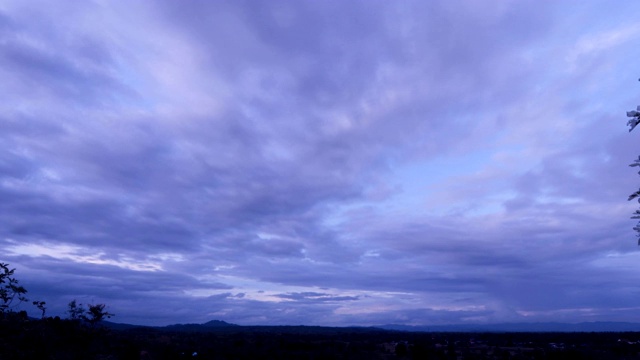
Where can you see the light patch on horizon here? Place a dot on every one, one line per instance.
(563, 313)
(80, 255)
(266, 291)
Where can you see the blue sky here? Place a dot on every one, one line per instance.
(322, 163)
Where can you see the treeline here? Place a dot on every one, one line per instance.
(78, 336)
(12, 295)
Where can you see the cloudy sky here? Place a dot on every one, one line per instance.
(322, 162)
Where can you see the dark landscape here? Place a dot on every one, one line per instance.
(55, 338)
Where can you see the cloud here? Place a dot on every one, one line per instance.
(353, 164)
(315, 297)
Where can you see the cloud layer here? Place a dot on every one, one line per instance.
(321, 163)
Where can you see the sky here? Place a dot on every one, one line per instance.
(328, 163)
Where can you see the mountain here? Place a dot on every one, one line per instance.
(521, 327)
(208, 326)
(218, 323)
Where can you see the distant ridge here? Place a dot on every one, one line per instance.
(219, 325)
(522, 327)
(209, 325)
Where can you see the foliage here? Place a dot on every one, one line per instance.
(76, 311)
(11, 294)
(41, 306)
(93, 315)
(635, 118)
(632, 123)
(96, 313)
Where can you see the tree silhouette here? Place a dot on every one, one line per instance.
(93, 315)
(41, 306)
(11, 294)
(96, 313)
(632, 123)
(75, 311)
